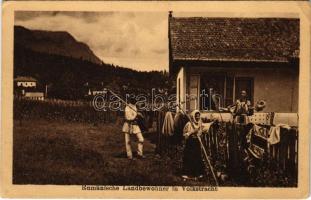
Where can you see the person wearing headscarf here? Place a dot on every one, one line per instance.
(193, 166)
(131, 127)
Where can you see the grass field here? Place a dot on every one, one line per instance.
(80, 153)
(56, 152)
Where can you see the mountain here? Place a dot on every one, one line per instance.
(53, 42)
(69, 75)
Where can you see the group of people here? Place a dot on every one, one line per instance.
(193, 165)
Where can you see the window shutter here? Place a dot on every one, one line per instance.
(194, 92)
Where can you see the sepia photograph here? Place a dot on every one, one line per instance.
(167, 100)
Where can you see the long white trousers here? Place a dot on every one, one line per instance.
(128, 144)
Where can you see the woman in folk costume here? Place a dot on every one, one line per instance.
(193, 166)
(243, 107)
(130, 127)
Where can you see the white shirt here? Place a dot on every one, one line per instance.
(130, 112)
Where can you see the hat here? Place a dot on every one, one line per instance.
(260, 105)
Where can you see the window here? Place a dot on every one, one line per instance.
(227, 87)
(244, 83)
(228, 96)
(234, 86)
(212, 83)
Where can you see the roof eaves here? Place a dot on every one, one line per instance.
(230, 60)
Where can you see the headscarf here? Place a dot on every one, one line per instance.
(193, 113)
(193, 124)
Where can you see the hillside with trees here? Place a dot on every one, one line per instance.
(69, 77)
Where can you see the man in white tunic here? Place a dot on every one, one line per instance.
(130, 128)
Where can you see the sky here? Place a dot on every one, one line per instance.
(137, 40)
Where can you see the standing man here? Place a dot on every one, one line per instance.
(130, 127)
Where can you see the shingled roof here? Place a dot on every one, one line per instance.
(234, 39)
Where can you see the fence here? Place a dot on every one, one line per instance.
(52, 109)
(228, 149)
(279, 160)
(73, 111)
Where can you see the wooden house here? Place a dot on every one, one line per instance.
(227, 55)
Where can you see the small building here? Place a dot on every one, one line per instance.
(224, 56)
(26, 87)
(34, 96)
(24, 81)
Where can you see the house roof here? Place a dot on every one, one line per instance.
(25, 78)
(234, 39)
